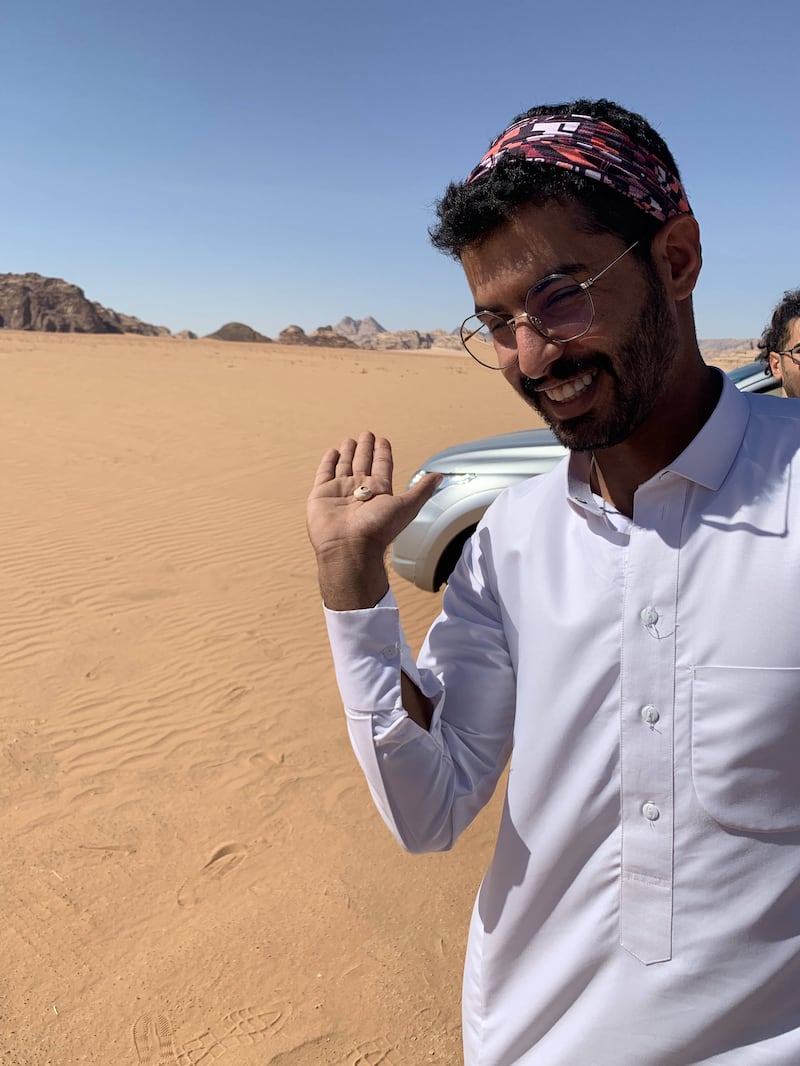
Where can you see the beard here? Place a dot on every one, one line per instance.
(791, 383)
(642, 366)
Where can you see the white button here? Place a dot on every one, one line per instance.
(649, 615)
(651, 812)
(650, 714)
(391, 651)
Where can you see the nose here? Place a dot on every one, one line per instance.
(535, 353)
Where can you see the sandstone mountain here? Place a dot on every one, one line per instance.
(367, 333)
(370, 334)
(30, 301)
(362, 331)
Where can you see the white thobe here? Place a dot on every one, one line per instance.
(642, 907)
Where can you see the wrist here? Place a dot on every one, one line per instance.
(352, 581)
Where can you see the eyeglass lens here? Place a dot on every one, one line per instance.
(559, 307)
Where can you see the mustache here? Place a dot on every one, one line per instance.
(563, 370)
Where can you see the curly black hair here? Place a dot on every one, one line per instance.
(467, 214)
(775, 336)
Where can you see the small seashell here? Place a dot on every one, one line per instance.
(363, 492)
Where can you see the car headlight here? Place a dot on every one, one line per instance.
(448, 480)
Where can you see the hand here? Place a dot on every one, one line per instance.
(350, 536)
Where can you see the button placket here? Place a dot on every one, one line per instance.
(647, 697)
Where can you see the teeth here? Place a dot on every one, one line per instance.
(569, 389)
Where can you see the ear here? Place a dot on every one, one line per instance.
(677, 252)
(775, 366)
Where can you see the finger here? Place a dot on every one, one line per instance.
(382, 462)
(362, 459)
(327, 467)
(344, 464)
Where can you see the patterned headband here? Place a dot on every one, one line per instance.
(599, 151)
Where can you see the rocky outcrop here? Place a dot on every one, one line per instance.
(370, 334)
(324, 337)
(129, 323)
(238, 331)
(413, 340)
(292, 335)
(327, 337)
(30, 301)
(440, 338)
(52, 305)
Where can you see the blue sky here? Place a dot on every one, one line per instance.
(195, 163)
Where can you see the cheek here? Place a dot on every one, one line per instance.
(513, 376)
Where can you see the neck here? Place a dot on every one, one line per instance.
(617, 472)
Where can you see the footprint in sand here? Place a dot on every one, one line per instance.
(202, 884)
(374, 1053)
(241, 1028)
(152, 1038)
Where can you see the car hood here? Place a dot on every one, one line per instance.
(527, 450)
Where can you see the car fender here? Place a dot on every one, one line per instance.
(443, 520)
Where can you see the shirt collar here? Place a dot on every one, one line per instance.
(578, 470)
(706, 460)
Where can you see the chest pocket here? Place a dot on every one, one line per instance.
(746, 746)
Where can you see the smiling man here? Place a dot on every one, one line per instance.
(780, 343)
(618, 632)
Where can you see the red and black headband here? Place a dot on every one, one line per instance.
(599, 151)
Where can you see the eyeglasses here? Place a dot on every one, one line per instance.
(558, 307)
(793, 354)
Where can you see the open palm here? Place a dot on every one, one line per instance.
(338, 522)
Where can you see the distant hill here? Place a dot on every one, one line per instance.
(238, 331)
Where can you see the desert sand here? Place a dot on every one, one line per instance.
(194, 872)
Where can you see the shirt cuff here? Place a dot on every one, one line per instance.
(368, 649)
